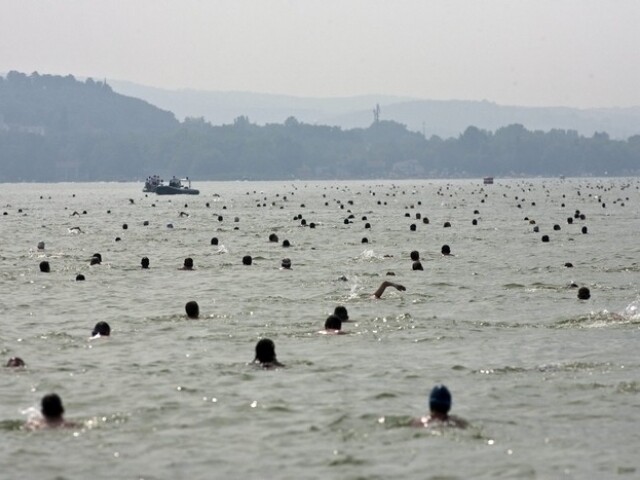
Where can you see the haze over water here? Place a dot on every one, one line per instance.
(548, 383)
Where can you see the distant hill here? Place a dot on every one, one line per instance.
(57, 105)
(55, 128)
(445, 119)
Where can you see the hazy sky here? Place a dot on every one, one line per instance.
(580, 53)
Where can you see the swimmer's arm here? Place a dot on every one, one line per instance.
(383, 286)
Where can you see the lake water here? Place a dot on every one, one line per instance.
(549, 383)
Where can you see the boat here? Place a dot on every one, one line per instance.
(487, 180)
(176, 187)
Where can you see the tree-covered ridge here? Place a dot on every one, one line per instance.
(54, 104)
(106, 136)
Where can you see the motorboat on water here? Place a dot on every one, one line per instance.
(175, 186)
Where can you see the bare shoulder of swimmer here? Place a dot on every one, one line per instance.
(429, 421)
(269, 365)
(43, 423)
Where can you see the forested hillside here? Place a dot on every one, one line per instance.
(59, 129)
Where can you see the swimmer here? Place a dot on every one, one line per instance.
(266, 354)
(52, 415)
(416, 265)
(144, 263)
(383, 286)
(192, 309)
(341, 313)
(286, 264)
(445, 250)
(15, 362)
(45, 267)
(188, 264)
(584, 293)
(247, 260)
(102, 329)
(332, 326)
(439, 406)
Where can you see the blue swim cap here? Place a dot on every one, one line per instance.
(440, 399)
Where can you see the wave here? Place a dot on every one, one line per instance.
(629, 316)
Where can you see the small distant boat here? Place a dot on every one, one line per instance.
(487, 180)
(175, 186)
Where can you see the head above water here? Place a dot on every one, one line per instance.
(265, 351)
(440, 399)
(445, 250)
(144, 263)
(192, 308)
(102, 328)
(15, 362)
(333, 322)
(286, 263)
(415, 256)
(188, 263)
(45, 267)
(584, 293)
(247, 260)
(52, 408)
(341, 312)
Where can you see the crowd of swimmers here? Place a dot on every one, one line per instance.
(440, 399)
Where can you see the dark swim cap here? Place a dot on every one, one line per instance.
(333, 322)
(440, 399)
(265, 351)
(52, 406)
(102, 328)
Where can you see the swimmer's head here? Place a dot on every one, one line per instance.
(214, 241)
(415, 256)
(144, 263)
(98, 256)
(52, 408)
(15, 362)
(188, 263)
(286, 263)
(341, 313)
(102, 328)
(265, 351)
(440, 399)
(273, 238)
(80, 277)
(584, 293)
(40, 245)
(333, 322)
(45, 267)
(286, 243)
(247, 260)
(192, 309)
(445, 250)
